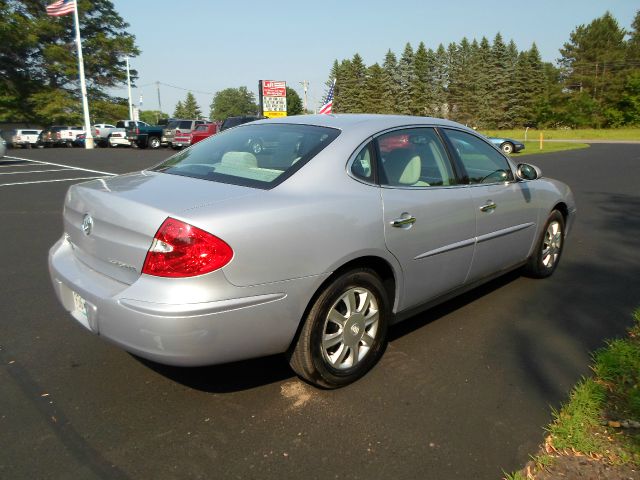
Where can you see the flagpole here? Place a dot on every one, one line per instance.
(88, 141)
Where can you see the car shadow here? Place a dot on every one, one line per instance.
(248, 374)
(227, 378)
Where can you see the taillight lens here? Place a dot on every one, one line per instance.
(182, 250)
(137, 131)
(178, 132)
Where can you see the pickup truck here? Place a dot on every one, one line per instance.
(181, 129)
(203, 131)
(144, 135)
(25, 138)
(58, 135)
(103, 131)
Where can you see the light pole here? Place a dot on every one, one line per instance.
(129, 89)
(305, 84)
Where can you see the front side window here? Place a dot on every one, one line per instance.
(231, 156)
(481, 161)
(414, 158)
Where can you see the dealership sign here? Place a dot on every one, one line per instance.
(273, 98)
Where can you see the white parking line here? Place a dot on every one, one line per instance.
(15, 166)
(35, 171)
(61, 165)
(48, 181)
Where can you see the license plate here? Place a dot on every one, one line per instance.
(80, 309)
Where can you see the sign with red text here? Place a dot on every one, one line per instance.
(273, 98)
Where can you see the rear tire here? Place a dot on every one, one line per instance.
(548, 250)
(345, 332)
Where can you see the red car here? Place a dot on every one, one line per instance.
(203, 131)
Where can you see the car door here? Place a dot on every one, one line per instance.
(429, 222)
(506, 215)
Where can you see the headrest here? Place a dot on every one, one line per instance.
(403, 167)
(240, 159)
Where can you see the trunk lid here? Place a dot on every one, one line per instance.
(111, 222)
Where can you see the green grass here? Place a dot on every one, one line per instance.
(533, 148)
(613, 394)
(589, 423)
(578, 134)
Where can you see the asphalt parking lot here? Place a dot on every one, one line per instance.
(463, 391)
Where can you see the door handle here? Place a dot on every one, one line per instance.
(405, 221)
(489, 206)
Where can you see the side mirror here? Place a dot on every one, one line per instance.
(524, 171)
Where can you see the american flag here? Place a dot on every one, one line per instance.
(328, 103)
(61, 7)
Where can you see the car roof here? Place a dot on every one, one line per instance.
(373, 121)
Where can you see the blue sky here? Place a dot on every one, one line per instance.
(207, 45)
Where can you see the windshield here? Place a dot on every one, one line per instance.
(260, 156)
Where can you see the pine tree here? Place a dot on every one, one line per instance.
(378, 98)
(441, 80)
(179, 111)
(392, 81)
(407, 79)
(421, 93)
(191, 108)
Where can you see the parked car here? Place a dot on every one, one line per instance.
(215, 255)
(507, 145)
(79, 141)
(176, 133)
(25, 138)
(231, 122)
(203, 131)
(3, 146)
(118, 138)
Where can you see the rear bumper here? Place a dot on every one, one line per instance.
(226, 323)
(119, 141)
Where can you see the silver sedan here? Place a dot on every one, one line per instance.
(314, 246)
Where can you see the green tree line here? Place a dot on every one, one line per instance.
(495, 85)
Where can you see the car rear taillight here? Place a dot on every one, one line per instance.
(182, 250)
(137, 131)
(178, 132)
(97, 131)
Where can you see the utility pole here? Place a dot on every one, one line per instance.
(305, 85)
(159, 104)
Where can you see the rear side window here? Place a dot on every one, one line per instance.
(362, 166)
(414, 157)
(232, 156)
(201, 128)
(483, 163)
(172, 125)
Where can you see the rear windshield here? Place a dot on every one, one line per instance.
(185, 124)
(260, 156)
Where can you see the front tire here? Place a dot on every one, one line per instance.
(154, 142)
(507, 147)
(546, 256)
(345, 331)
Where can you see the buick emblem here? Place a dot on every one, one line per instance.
(87, 224)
